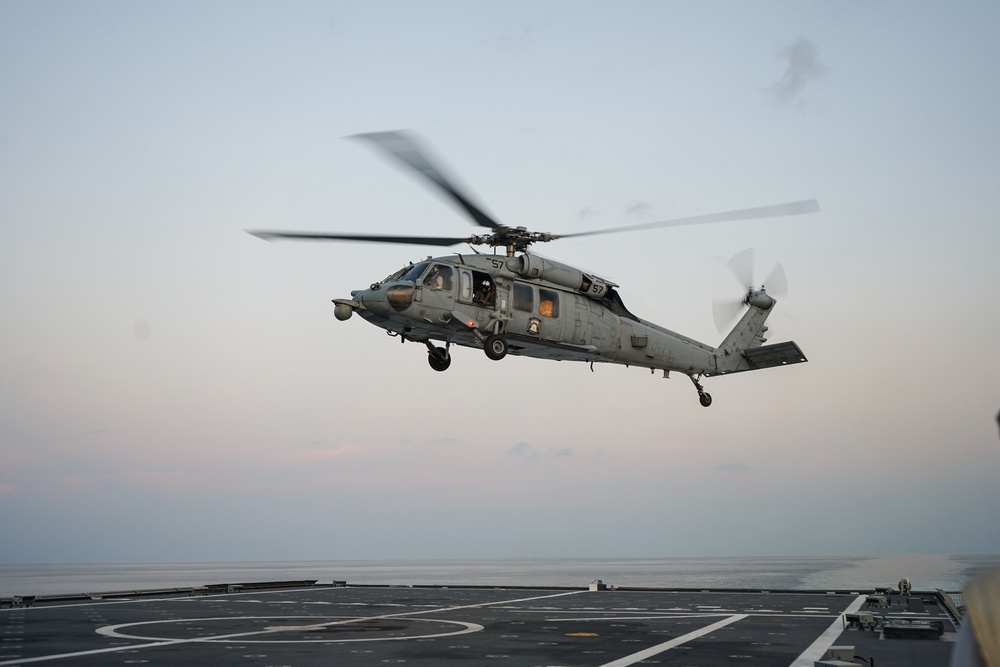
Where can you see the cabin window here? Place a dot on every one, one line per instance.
(524, 297)
(548, 303)
(439, 277)
(466, 279)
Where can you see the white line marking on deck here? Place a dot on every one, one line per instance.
(825, 640)
(673, 643)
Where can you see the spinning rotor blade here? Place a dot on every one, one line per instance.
(777, 210)
(373, 238)
(404, 148)
(742, 266)
(725, 311)
(776, 283)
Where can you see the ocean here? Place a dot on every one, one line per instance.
(925, 572)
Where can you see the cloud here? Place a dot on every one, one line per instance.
(638, 209)
(801, 66)
(524, 450)
(7, 488)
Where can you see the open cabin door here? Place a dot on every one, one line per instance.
(478, 290)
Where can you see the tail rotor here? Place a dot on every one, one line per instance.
(742, 266)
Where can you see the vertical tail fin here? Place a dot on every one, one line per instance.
(744, 350)
(749, 331)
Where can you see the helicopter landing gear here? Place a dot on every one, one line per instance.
(704, 397)
(439, 358)
(495, 347)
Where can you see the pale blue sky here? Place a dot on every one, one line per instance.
(172, 388)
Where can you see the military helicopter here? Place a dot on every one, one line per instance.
(524, 304)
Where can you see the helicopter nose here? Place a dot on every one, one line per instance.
(375, 301)
(387, 301)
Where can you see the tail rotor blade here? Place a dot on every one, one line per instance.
(777, 283)
(725, 311)
(741, 265)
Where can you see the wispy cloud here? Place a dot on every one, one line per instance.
(802, 65)
(525, 450)
(7, 488)
(735, 466)
(638, 209)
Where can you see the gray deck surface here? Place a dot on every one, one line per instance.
(324, 625)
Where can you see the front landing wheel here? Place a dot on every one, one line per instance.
(439, 359)
(705, 399)
(496, 347)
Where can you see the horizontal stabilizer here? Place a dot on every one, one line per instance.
(778, 354)
(768, 356)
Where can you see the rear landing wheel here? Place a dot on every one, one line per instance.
(705, 399)
(439, 359)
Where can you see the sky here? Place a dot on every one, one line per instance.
(174, 389)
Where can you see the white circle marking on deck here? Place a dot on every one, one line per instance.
(243, 637)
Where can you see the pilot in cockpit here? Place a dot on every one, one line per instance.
(439, 277)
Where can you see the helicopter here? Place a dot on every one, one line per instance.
(522, 303)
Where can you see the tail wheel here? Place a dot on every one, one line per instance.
(496, 347)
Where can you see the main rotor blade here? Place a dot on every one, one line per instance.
(775, 211)
(372, 238)
(403, 147)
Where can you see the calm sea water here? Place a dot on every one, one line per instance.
(926, 572)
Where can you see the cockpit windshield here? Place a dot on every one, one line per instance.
(395, 275)
(414, 272)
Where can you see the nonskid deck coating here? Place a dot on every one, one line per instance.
(459, 626)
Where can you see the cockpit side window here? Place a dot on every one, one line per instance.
(439, 277)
